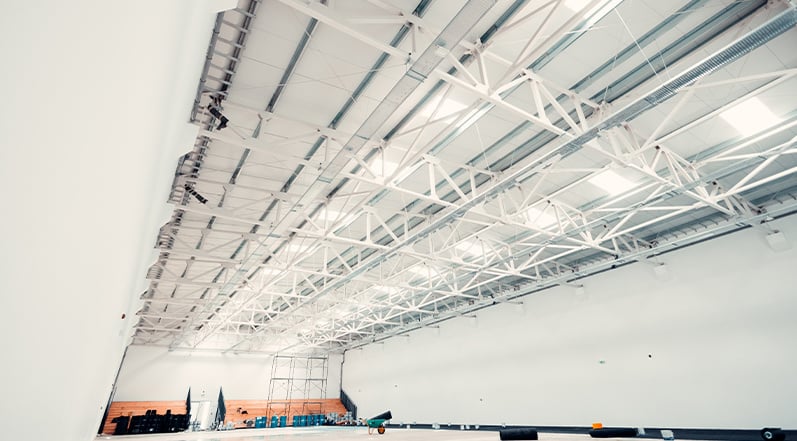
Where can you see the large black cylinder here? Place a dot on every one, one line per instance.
(773, 434)
(613, 432)
(383, 416)
(521, 433)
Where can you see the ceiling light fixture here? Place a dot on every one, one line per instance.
(385, 168)
(539, 218)
(750, 117)
(611, 182)
(421, 270)
(335, 218)
(448, 109)
(386, 289)
(297, 248)
(471, 248)
(576, 5)
(385, 293)
(269, 270)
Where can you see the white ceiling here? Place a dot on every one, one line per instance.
(388, 165)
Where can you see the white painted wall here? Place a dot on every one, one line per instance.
(155, 374)
(334, 375)
(94, 115)
(722, 333)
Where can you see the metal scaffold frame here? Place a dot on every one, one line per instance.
(297, 378)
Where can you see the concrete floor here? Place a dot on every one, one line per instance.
(338, 434)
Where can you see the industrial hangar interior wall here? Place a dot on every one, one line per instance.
(87, 192)
(157, 374)
(708, 342)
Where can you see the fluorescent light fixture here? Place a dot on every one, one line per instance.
(269, 270)
(335, 218)
(386, 167)
(383, 292)
(750, 117)
(539, 218)
(386, 289)
(448, 108)
(576, 5)
(342, 311)
(297, 247)
(421, 271)
(470, 248)
(593, 144)
(382, 167)
(611, 182)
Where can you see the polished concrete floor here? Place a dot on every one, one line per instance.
(338, 434)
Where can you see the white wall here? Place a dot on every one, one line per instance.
(94, 115)
(155, 374)
(334, 375)
(722, 333)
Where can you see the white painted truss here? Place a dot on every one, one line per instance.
(387, 166)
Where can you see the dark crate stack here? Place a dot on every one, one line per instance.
(151, 422)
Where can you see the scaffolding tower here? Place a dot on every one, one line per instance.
(297, 380)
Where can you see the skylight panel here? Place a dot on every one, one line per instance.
(611, 182)
(750, 117)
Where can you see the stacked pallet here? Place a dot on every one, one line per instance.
(133, 408)
(241, 413)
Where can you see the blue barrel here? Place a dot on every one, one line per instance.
(283, 421)
(303, 420)
(274, 421)
(260, 422)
